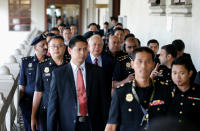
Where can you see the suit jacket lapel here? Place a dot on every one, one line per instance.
(72, 81)
(88, 59)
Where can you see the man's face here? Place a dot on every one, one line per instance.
(180, 75)
(93, 28)
(67, 34)
(41, 47)
(57, 48)
(78, 53)
(105, 26)
(143, 65)
(114, 23)
(154, 47)
(73, 30)
(120, 35)
(96, 46)
(114, 45)
(60, 28)
(126, 32)
(163, 57)
(130, 46)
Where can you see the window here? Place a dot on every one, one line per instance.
(154, 2)
(19, 15)
(178, 2)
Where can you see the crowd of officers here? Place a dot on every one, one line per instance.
(133, 87)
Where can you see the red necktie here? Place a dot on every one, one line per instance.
(82, 99)
(96, 61)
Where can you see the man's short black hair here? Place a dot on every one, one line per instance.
(170, 49)
(129, 35)
(142, 49)
(72, 25)
(113, 18)
(182, 60)
(119, 24)
(54, 29)
(179, 44)
(56, 37)
(62, 25)
(66, 28)
(116, 29)
(152, 41)
(106, 23)
(75, 39)
(92, 24)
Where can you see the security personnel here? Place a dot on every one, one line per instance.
(27, 78)
(113, 50)
(133, 103)
(186, 101)
(43, 79)
(123, 72)
(162, 72)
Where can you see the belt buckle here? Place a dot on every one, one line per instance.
(82, 119)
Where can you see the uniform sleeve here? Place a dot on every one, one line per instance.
(114, 112)
(116, 72)
(39, 86)
(22, 75)
(52, 105)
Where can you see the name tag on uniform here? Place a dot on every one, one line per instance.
(47, 74)
(156, 102)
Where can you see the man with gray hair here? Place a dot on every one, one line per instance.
(97, 57)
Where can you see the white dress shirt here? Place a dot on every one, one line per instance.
(99, 60)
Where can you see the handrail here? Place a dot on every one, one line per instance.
(8, 78)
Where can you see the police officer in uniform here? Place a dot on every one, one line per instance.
(133, 103)
(162, 72)
(123, 72)
(43, 79)
(27, 78)
(186, 101)
(113, 50)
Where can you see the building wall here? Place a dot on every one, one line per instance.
(146, 26)
(10, 40)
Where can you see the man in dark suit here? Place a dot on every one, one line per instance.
(95, 56)
(77, 99)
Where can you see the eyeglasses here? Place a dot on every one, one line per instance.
(56, 46)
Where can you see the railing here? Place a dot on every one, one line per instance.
(9, 90)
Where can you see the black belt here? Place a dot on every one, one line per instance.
(82, 119)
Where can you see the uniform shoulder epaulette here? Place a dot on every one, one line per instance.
(45, 60)
(123, 57)
(28, 57)
(120, 86)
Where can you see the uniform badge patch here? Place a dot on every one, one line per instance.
(129, 97)
(46, 69)
(128, 64)
(30, 65)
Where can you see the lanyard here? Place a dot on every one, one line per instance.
(145, 111)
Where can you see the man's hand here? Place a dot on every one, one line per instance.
(130, 77)
(34, 124)
(155, 72)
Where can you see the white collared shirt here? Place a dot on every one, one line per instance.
(75, 70)
(99, 60)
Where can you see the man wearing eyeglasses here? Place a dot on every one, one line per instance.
(27, 78)
(43, 79)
